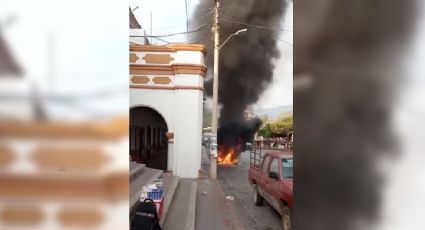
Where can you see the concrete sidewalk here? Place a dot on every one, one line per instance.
(213, 211)
(181, 213)
(201, 204)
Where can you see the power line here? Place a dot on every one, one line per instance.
(252, 25)
(203, 16)
(162, 40)
(290, 44)
(169, 35)
(167, 42)
(183, 25)
(134, 43)
(200, 39)
(169, 27)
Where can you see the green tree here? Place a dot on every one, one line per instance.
(265, 131)
(282, 126)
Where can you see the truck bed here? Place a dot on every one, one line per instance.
(256, 156)
(259, 149)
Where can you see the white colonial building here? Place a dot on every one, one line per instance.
(166, 99)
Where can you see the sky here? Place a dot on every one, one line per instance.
(174, 21)
(88, 41)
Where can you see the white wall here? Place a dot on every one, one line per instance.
(187, 137)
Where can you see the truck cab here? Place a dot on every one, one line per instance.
(271, 177)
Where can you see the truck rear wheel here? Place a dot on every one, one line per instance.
(258, 200)
(286, 218)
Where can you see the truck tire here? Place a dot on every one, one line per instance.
(286, 218)
(258, 200)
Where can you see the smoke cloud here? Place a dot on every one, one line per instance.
(246, 61)
(243, 130)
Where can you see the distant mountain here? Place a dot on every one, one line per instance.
(276, 112)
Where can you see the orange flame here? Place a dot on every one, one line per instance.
(228, 157)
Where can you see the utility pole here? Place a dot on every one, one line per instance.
(216, 31)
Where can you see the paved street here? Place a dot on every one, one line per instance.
(234, 182)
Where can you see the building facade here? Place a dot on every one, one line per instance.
(166, 99)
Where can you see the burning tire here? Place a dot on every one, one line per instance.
(286, 218)
(258, 200)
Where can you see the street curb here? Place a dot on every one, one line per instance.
(168, 199)
(190, 224)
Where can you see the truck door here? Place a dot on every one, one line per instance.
(272, 187)
(263, 174)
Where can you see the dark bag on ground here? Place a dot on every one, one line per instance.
(145, 217)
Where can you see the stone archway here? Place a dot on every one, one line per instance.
(148, 143)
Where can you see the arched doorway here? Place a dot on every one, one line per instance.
(148, 143)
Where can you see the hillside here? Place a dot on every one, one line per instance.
(274, 113)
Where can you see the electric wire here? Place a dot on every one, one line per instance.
(288, 43)
(170, 35)
(252, 25)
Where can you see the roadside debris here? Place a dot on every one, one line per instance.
(230, 198)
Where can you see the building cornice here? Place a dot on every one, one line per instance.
(177, 87)
(168, 69)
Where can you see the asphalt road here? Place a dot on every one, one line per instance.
(234, 182)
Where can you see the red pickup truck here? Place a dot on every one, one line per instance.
(271, 176)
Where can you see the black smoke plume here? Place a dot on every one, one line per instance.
(229, 134)
(246, 61)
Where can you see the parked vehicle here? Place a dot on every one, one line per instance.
(271, 177)
(248, 146)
